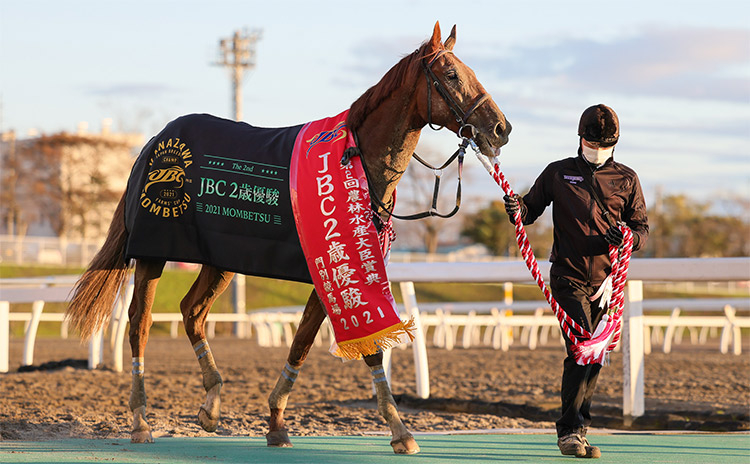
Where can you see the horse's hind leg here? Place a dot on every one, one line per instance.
(312, 317)
(211, 282)
(402, 442)
(147, 274)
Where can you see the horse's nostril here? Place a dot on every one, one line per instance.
(499, 128)
(502, 129)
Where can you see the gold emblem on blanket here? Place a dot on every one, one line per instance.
(163, 194)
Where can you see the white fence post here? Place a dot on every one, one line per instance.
(4, 335)
(96, 349)
(633, 351)
(30, 338)
(508, 293)
(238, 297)
(420, 348)
(387, 365)
(121, 322)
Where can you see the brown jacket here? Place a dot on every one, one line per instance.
(579, 251)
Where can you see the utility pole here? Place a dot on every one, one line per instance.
(237, 54)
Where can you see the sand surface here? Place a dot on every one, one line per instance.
(693, 388)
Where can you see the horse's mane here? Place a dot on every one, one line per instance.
(401, 72)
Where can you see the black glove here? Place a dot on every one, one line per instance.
(614, 237)
(512, 204)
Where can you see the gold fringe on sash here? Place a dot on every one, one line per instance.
(371, 344)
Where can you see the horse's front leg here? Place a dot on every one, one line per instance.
(211, 282)
(402, 440)
(312, 317)
(147, 274)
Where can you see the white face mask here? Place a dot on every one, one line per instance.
(597, 156)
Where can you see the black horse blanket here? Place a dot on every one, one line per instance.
(274, 203)
(213, 191)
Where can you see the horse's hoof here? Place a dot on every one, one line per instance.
(208, 423)
(405, 445)
(141, 436)
(278, 439)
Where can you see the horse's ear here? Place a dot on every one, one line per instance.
(435, 40)
(451, 40)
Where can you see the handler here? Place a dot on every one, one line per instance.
(591, 193)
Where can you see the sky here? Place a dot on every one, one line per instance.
(676, 72)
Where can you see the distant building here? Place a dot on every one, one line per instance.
(64, 185)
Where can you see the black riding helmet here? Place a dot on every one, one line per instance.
(599, 124)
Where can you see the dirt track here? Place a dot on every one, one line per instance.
(690, 388)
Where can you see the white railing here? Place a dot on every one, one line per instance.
(677, 269)
(272, 325)
(37, 291)
(60, 251)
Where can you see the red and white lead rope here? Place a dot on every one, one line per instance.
(607, 333)
(588, 348)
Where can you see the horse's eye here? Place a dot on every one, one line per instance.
(452, 75)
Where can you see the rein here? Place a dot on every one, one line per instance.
(378, 204)
(461, 118)
(588, 348)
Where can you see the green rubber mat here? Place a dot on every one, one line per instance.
(461, 448)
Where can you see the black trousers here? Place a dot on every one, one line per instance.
(578, 382)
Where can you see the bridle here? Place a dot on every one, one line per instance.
(461, 118)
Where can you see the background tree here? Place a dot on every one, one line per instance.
(490, 227)
(70, 183)
(683, 227)
(679, 227)
(82, 183)
(10, 210)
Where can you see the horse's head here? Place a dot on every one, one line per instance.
(452, 96)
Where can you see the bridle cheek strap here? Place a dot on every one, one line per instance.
(461, 116)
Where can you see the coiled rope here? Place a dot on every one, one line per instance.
(588, 348)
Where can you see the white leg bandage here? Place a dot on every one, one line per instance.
(138, 366)
(211, 374)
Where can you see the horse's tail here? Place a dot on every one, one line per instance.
(95, 292)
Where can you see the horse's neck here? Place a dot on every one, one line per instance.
(388, 138)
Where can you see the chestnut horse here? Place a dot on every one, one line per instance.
(429, 86)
